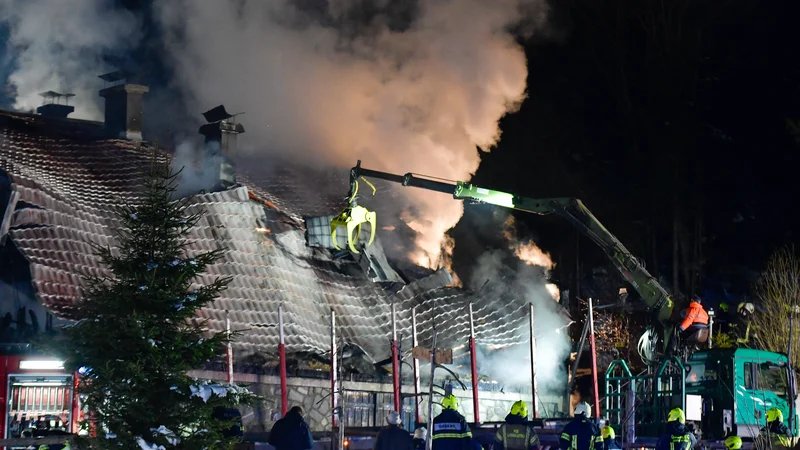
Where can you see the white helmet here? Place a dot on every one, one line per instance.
(421, 433)
(394, 418)
(583, 408)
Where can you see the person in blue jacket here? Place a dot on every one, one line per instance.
(582, 433)
(450, 429)
(676, 436)
(291, 432)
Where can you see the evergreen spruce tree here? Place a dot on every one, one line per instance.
(139, 334)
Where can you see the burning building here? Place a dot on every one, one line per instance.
(60, 180)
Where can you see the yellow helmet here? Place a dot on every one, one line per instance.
(450, 402)
(774, 414)
(733, 442)
(519, 409)
(608, 432)
(676, 415)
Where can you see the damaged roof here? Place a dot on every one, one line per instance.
(65, 183)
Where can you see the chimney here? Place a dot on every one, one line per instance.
(51, 106)
(221, 134)
(123, 106)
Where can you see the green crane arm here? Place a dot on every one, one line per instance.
(656, 298)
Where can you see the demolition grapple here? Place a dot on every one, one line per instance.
(353, 217)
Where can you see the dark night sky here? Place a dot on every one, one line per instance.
(636, 118)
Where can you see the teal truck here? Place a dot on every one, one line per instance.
(723, 391)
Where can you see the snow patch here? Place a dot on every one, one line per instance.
(205, 389)
(144, 445)
(171, 437)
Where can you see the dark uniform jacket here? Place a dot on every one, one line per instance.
(393, 437)
(291, 433)
(515, 434)
(774, 436)
(451, 431)
(581, 434)
(676, 438)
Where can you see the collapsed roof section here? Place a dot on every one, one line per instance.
(64, 188)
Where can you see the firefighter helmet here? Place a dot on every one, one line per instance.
(733, 443)
(519, 409)
(583, 408)
(608, 432)
(450, 402)
(676, 415)
(774, 414)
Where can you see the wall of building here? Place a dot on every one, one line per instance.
(366, 404)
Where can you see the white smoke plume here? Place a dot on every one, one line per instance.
(528, 280)
(325, 82)
(328, 92)
(59, 46)
(198, 165)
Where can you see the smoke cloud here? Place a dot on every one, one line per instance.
(341, 82)
(198, 166)
(406, 86)
(60, 45)
(511, 365)
(518, 268)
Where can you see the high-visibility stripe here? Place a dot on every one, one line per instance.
(452, 435)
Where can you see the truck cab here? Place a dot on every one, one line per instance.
(735, 387)
(722, 391)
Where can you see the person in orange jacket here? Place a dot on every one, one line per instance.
(696, 319)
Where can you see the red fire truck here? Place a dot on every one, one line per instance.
(38, 394)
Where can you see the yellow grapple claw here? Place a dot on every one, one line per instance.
(352, 218)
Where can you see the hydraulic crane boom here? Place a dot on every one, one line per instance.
(658, 301)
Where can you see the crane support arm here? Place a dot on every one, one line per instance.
(656, 298)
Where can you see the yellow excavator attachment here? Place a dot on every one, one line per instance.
(352, 218)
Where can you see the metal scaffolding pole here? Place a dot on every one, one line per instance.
(334, 370)
(594, 360)
(229, 349)
(395, 362)
(474, 363)
(534, 387)
(282, 356)
(415, 344)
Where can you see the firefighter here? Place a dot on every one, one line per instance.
(516, 434)
(775, 435)
(733, 443)
(450, 429)
(676, 437)
(581, 433)
(695, 320)
(609, 438)
(64, 446)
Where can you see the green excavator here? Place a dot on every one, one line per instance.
(657, 300)
(725, 391)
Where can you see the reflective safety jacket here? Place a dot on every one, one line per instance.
(581, 434)
(451, 432)
(694, 314)
(64, 446)
(775, 436)
(676, 438)
(515, 434)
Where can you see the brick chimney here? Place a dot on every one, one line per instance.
(55, 109)
(221, 135)
(124, 102)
